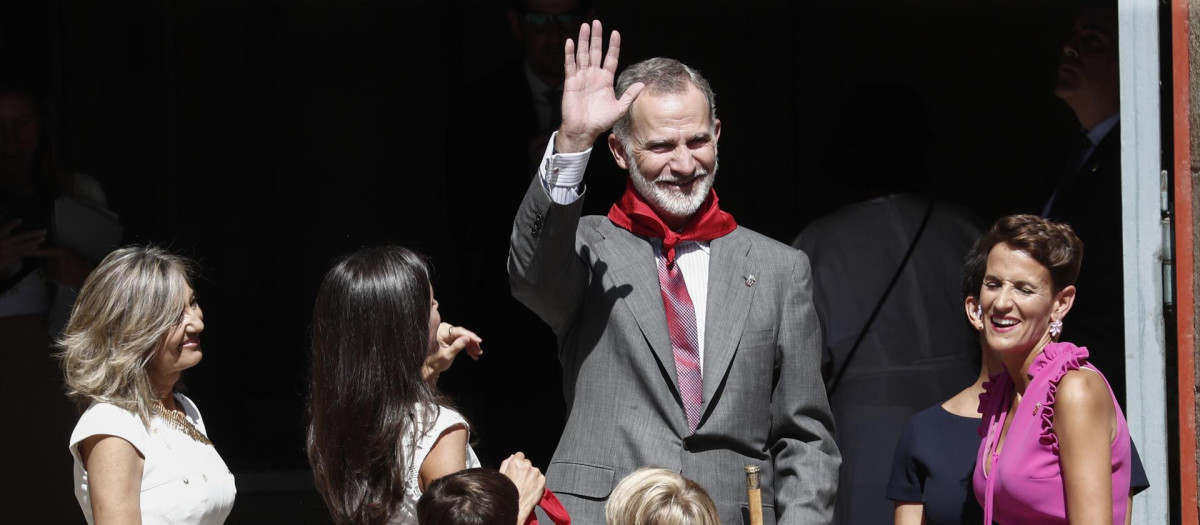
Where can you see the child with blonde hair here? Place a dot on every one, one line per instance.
(657, 496)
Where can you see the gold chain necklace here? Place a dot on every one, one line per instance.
(177, 420)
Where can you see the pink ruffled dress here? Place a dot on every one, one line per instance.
(1025, 482)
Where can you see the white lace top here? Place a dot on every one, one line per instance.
(407, 514)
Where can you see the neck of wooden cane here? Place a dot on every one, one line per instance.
(752, 477)
(754, 495)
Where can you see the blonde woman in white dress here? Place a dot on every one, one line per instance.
(141, 450)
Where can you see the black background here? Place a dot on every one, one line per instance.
(264, 138)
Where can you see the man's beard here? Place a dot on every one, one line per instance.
(667, 202)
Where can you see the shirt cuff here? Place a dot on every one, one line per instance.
(562, 173)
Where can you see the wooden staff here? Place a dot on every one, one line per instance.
(754, 495)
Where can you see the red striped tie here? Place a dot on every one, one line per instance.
(681, 323)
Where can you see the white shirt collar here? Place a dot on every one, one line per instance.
(1099, 131)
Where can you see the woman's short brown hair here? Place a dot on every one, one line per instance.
(1052, 244)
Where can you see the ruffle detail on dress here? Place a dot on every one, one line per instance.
(987, 400)
(1054, 352)
(1055, 360)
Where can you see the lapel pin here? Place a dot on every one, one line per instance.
(751, 279)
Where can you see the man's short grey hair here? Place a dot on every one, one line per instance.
(661, 76)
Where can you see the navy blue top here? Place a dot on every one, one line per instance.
(934, 461)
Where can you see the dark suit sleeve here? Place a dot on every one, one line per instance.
(805, 456)
(1138, 482)
(544, 270)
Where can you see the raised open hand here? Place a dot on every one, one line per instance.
(589, 104)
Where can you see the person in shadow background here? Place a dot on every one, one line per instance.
(1086, 192)
(39, 278)
(542, 26)
(39, 273)
(886, 280)
(520, 102)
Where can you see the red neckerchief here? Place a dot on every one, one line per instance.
(632, 213)
(553, 508)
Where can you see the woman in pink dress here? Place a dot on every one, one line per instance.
(1055, 444)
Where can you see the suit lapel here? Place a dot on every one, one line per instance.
(1103, 152)
(728, 305)
(1078, 186)
(630, 261)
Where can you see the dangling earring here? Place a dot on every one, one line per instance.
(1055, 328)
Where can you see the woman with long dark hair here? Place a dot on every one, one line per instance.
(379, 432)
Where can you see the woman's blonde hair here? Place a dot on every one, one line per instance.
(657, 496)
(125, 310)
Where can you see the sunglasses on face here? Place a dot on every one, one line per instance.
(542, 21)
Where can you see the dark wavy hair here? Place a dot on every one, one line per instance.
(475, 496)
(1052, 244)
(973, 269)
(370, 337)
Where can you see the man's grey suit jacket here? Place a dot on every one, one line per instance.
(597, 287)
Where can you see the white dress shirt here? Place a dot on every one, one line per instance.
(562, 176)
